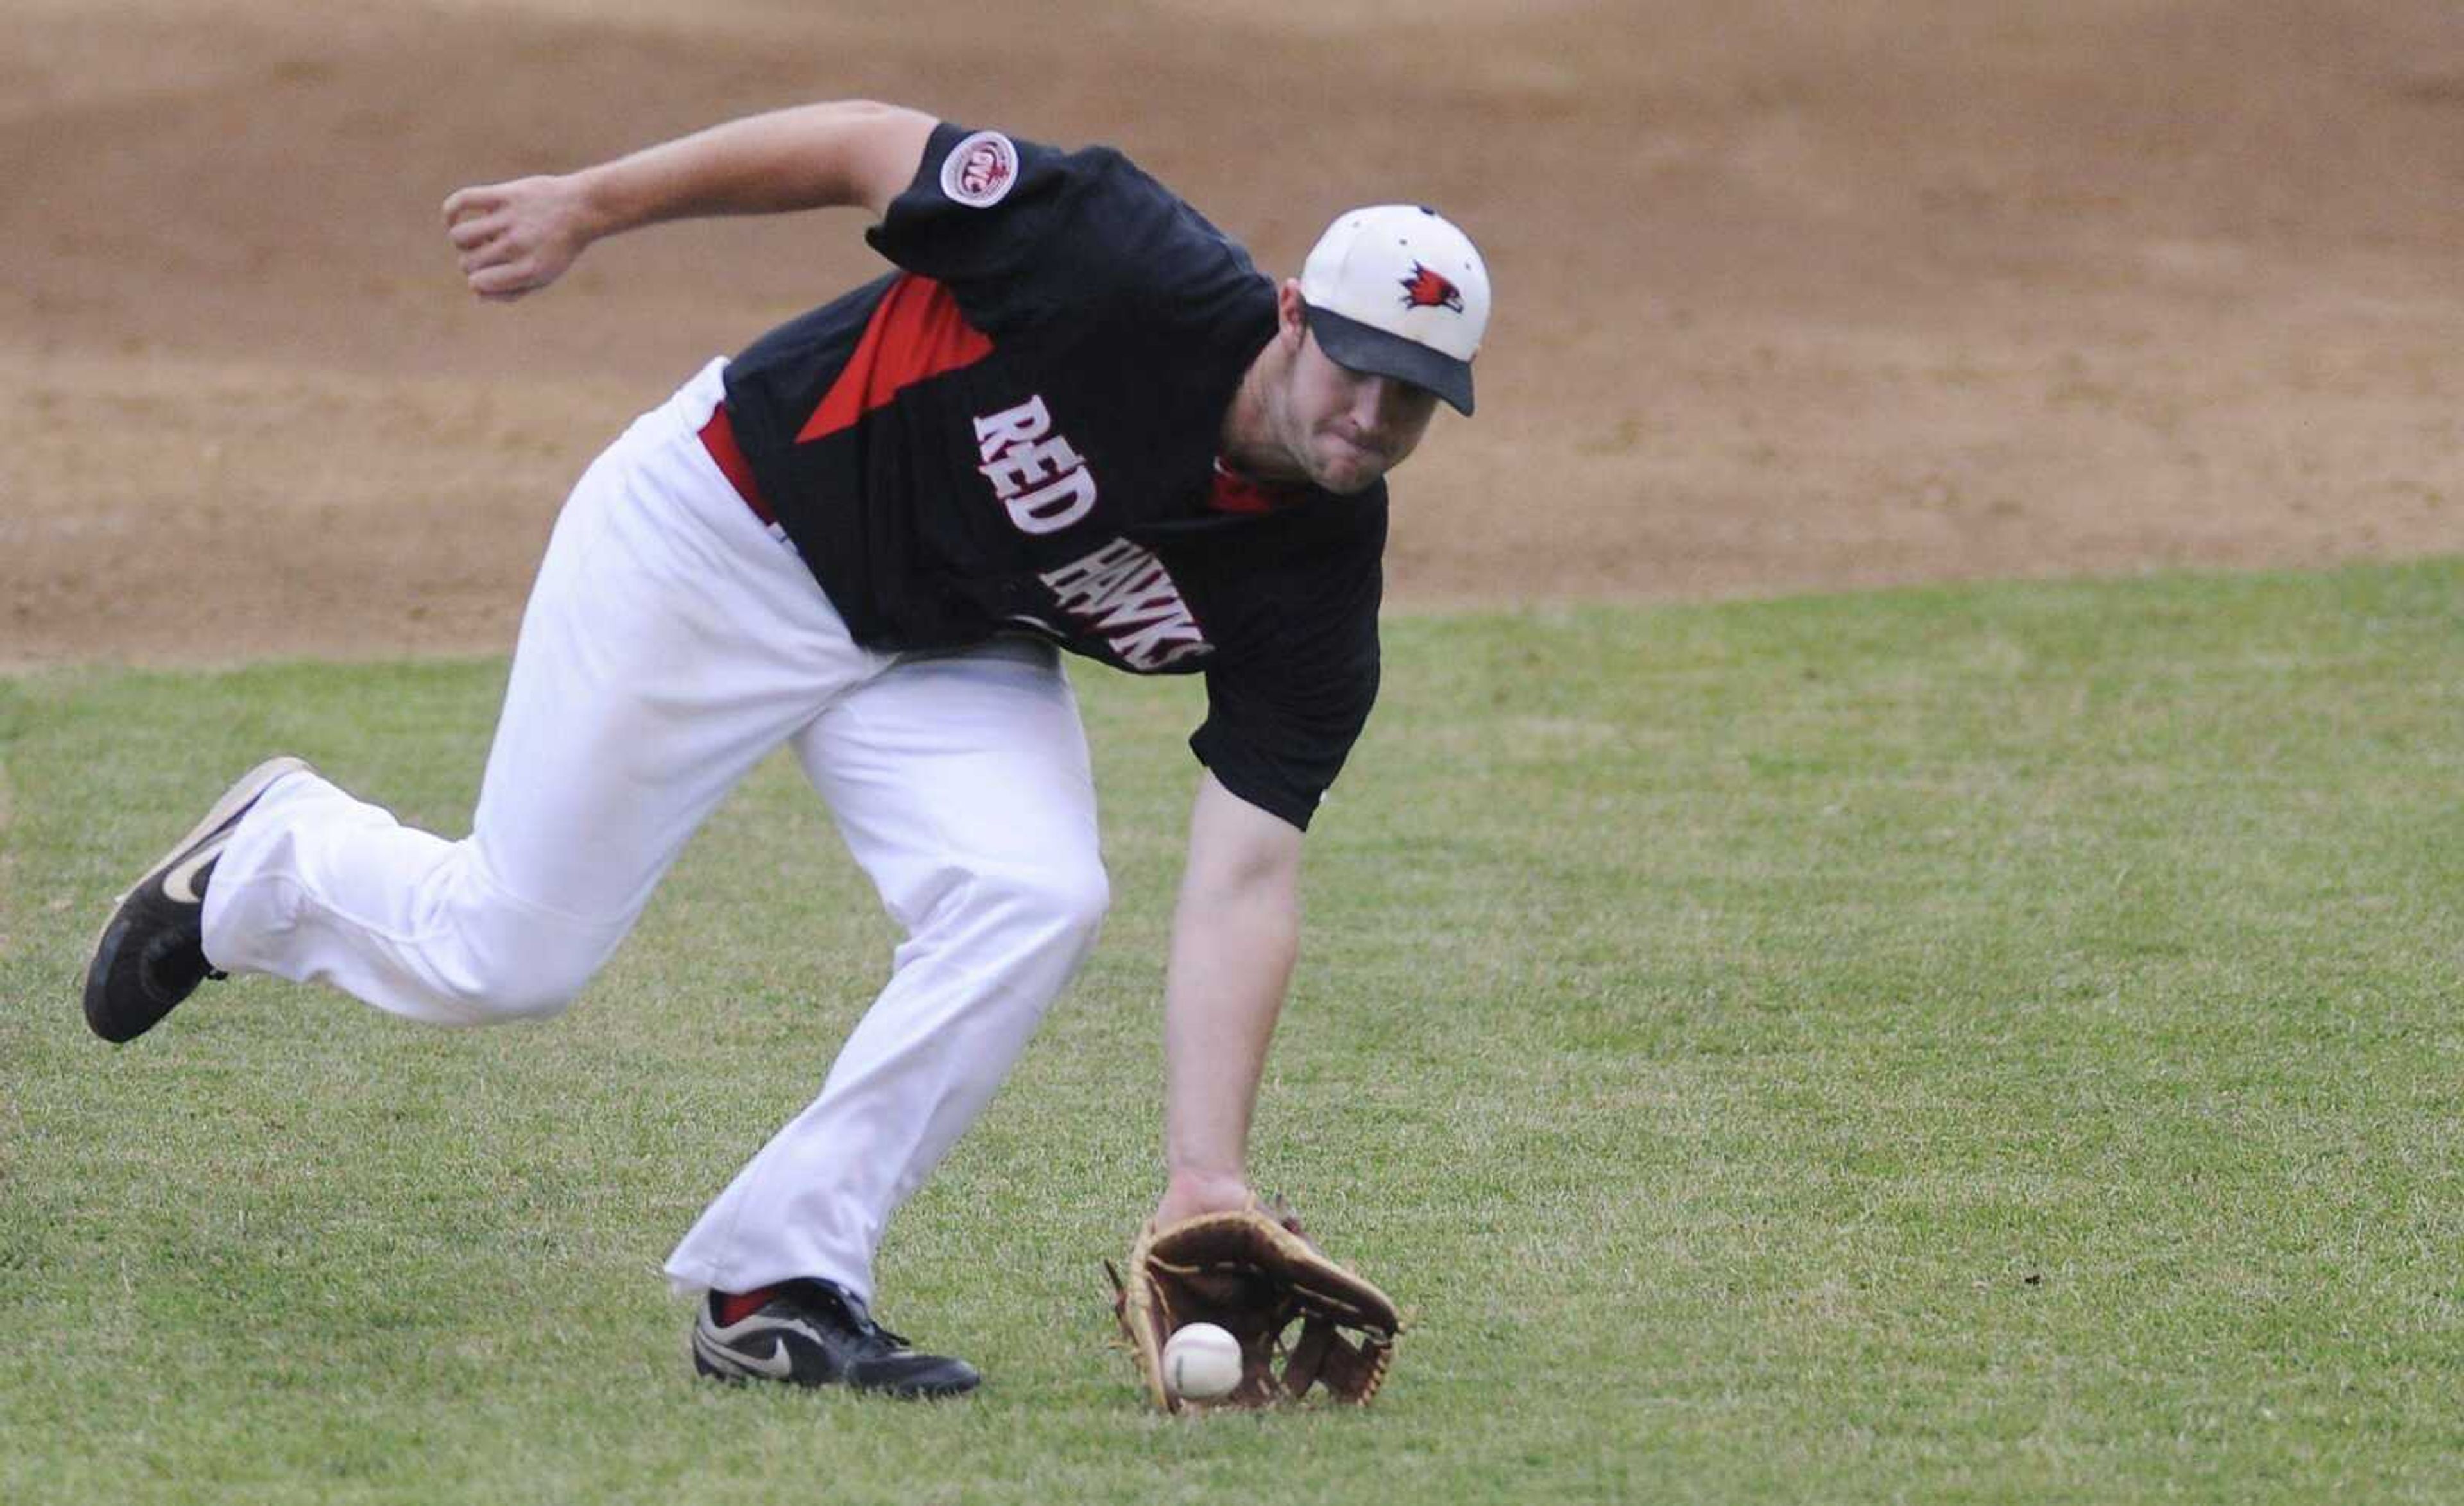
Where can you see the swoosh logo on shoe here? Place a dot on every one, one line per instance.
(179, 885)
(776, 1365)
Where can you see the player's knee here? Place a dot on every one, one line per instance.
(1080, 895)
(535, 997)
(1064, 900)
(535, 979)
(504, 1001)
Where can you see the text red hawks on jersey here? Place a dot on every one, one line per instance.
(1015, 431)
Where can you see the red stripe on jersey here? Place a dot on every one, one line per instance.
(719, 437)
(916, 332)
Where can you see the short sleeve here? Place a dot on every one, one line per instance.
(979, 214)
(1019, 230)
(1279, 727)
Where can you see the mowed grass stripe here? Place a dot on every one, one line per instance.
(1980, 1044)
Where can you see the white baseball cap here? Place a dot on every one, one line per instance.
(1396, 289)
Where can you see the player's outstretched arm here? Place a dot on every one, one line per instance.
(517, 236)
(1235, 934)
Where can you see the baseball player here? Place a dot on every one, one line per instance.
(1073, 416)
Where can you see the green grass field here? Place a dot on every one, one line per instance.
(1958, 1045)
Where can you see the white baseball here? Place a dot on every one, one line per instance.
(1201, 1362)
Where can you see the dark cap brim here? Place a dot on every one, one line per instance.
(1350, 343)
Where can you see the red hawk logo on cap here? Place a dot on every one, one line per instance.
(1426, 289)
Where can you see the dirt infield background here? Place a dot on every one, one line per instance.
(1789, 294)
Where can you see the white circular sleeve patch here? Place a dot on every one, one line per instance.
(979, 170)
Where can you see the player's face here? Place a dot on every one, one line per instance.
(1348, 428)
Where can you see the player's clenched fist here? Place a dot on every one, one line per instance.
(516, 237)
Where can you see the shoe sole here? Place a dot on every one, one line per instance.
(247, 790)
(894, 1393)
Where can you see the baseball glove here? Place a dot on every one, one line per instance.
(1256, 1274)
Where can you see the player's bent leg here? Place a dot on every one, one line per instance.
(669, 644)
(962, 786)
(324, 888)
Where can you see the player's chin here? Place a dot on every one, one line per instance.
(1345, 469)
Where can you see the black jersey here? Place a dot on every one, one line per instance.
(1018, 432)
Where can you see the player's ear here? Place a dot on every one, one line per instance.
(1291, 315)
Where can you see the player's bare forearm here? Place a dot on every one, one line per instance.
(815, 156)
(1235, 934)
(517, 236)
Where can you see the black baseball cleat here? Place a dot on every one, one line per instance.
(816, 1333)
(151, 955)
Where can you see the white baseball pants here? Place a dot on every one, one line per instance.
(672, 641)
